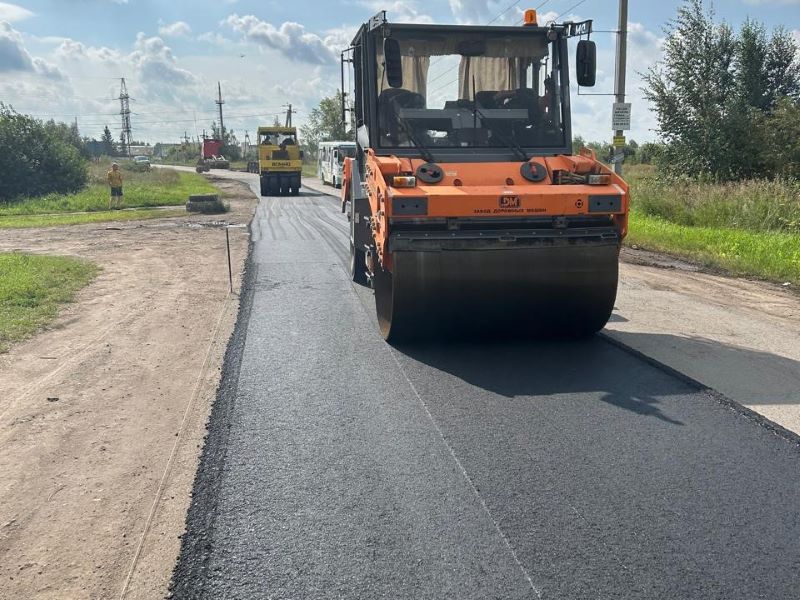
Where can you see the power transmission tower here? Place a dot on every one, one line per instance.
(289, 113)
(220, 102)
(126, 137)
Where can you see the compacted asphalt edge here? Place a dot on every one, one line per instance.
(188, 574)
(740, 409)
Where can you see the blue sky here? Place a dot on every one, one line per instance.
(64, 57)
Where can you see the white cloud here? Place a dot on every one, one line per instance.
(470, 11)
(779, 2)
(399, 11)
(14, 57)
(176, 29)
(480, 12)
(290, 39)
(212, 37)
(151, 63)
(72, 51)
(13, 12)
(158, 70)
(339, 38)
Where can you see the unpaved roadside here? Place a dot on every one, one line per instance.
(102, 416)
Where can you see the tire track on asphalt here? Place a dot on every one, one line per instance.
(341, 249)
(299, 216)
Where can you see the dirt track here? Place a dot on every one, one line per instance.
(95, 484)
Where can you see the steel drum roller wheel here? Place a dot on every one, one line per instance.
(561, 292)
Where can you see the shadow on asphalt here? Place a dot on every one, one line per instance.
(749, 376)
(517, 369)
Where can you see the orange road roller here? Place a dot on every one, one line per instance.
(469, 213)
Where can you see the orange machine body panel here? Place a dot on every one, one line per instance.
(487, 190)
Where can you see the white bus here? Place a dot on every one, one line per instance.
(330, 161)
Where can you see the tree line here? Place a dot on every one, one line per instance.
(39, 157)
(727, 103)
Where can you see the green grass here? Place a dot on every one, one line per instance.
(55, 220)
(761, 254)
(33, 287)
(753, 205)
(158, 187)
(746, 228)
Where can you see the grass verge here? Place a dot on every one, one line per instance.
(761, 254)
(309, 170)
(754, 205)
(33, 287)
(54, 220)
(158, 187)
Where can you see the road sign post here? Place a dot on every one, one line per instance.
(621, 116)
(619, 85)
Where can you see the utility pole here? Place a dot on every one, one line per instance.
(125, 112)
(220, 102)
(619, 88)
(185, 138)
(289, 113)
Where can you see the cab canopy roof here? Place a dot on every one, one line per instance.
(283, 130)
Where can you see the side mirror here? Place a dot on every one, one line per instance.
(302, 155)
(586, 63)
(393, 64)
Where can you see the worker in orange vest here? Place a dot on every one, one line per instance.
(115, 181)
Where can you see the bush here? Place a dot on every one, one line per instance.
(36, 159)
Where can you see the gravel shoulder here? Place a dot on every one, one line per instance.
(96, 480)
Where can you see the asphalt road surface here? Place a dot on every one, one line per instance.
(339, 467)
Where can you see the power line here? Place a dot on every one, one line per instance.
(508, 8)
(185, 112)
(570, 9)
(170, 121)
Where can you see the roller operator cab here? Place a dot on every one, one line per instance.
(280, 161)
(468, 211)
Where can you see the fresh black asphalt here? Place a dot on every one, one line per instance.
(339, 467)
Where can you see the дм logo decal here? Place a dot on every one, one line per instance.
(509, 202)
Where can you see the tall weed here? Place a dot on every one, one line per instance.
(752, 205)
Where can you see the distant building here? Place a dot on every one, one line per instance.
(146, 150)
(161, 150)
